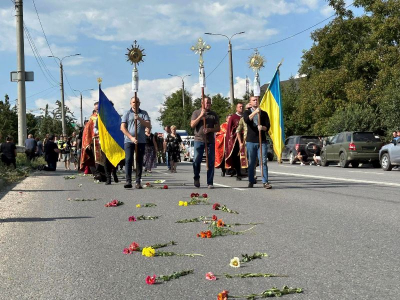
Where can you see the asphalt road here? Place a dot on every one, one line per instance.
(334, 232)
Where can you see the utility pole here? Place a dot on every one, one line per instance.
(183, 92)
(80, 92)
(230, 61)
(21, 73)
(62, 91)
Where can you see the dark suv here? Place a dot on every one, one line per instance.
(352, 147)
(303, 144)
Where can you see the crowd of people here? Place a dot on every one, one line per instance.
(232, 146)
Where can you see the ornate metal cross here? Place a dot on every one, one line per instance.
(199, 48)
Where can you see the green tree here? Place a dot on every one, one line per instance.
(8, 119)
(171, 112)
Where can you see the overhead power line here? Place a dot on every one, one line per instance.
(40, 22)
(217, 65)
(300, 32)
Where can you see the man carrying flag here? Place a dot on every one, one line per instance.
(111, 137)
(257, 121)
(272, 104)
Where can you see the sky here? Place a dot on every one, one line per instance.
(101, 31)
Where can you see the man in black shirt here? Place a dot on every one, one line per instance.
(8, 152)
(255, 123)
(51, 155)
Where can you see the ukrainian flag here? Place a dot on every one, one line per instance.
(272, 104)
(110, 134)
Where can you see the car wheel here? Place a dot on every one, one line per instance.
(324, 162)
(291, 158)
(385, 162)
(344, 163)
(354, 164)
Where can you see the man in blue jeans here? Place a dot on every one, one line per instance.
(128, 128)
(200, 134)
(256, 123)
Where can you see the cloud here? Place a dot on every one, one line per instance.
(327, 11)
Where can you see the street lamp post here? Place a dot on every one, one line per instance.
(183, 87)
(62, 90)
(230, 60)
(80, 92)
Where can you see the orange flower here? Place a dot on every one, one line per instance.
(220, 223)
(203, 234)
(223, 295)
(209, 234)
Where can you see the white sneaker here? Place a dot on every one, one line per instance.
(210, 186)
(302, 164)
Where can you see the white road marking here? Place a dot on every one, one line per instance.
(222, 185)
(366, 172)
(239, 189)
(337, 179)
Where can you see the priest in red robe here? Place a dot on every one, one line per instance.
(232, 148)
(87, 154)
(220, 147)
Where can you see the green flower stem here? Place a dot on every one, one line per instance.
(174, 275)
(198, 219)
(83, 199)
(157, 246)
(149, 205)
(247, 258)
(161, 253)
(272, 292)
(250, 275)
(147, 218)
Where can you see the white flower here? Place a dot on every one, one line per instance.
(235, 262)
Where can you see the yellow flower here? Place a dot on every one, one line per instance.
(138, 205)
(180, 203)
(235, 262)
(185, 203)
(148, 251)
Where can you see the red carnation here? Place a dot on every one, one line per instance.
(165, 187)
(214, 217)
(205, 195)
(216, 206)
(151, 279)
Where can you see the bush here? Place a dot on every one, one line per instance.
(24, 168)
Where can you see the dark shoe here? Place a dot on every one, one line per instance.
(128, 186)
(250, 185)
(222, 174)
(138, 186)
(116, 179)
(197, 183)
(238, 178)
(267, 186)
(108, 183)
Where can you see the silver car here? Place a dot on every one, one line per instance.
(389, 155)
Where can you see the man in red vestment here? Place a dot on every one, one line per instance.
(87, 151)
(220, 146)
(232, 158)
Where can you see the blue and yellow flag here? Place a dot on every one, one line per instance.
(110, 134)
(272, 104)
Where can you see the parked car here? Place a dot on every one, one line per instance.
(303, 144)
(352, 147)
(389, 156)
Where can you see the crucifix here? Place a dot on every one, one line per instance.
(199, 48)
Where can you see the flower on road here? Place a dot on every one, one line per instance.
(151, 279)
(148, 251)
(235, 262)
(210, 276)
(132, 219)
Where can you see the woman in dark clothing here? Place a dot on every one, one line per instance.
(9, 152)
(174, 142)
(149, 159)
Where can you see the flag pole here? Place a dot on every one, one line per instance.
(256, 62)
(199, 48)
(135, 56)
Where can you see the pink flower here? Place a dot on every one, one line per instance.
(165, 187)
(151, 279)
(134, 247)
(127, 251)
(205, 195)
(132, 219)
(216, 206)
(210, 276)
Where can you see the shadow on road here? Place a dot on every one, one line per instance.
(32, 219)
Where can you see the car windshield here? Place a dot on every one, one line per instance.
(309, 139)
(365, 136)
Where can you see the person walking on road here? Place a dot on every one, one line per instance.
(174, 144)
(200, 133)
(128, 129)
(51, 154)
(255, 123)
